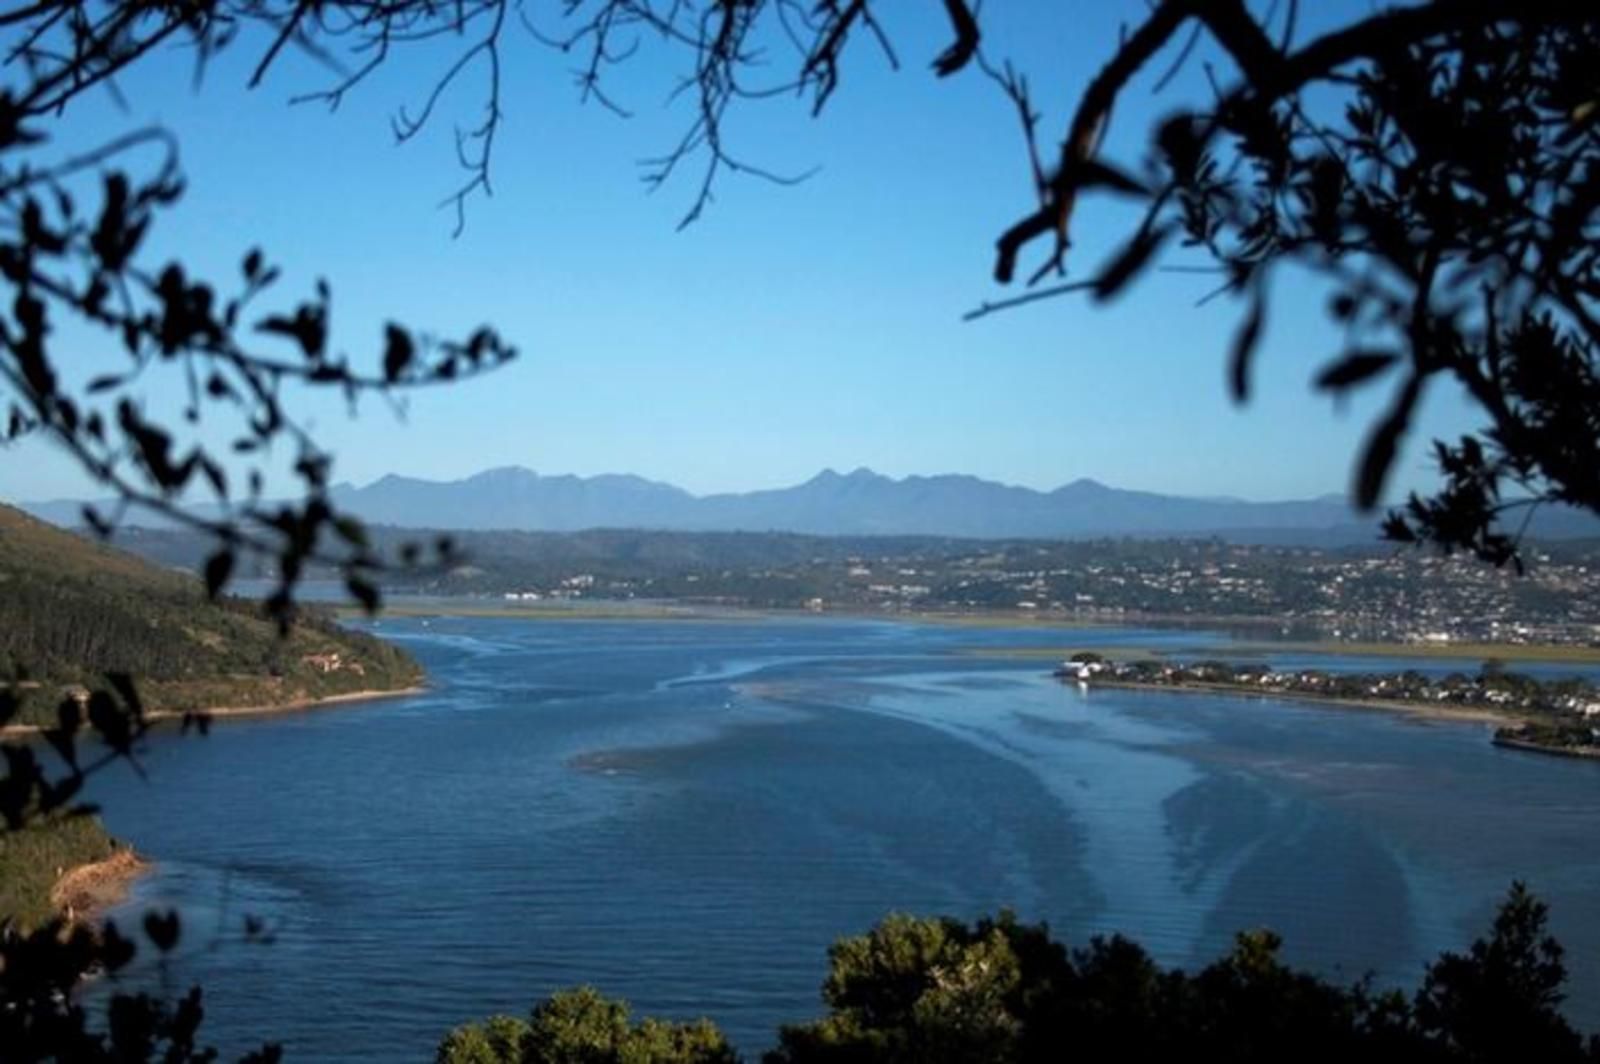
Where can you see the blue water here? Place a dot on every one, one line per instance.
(686, 813)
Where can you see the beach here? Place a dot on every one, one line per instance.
(86, 891)
(297, 705)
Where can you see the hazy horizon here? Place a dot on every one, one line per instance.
(768, 485)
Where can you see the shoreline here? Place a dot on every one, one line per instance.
(1552, 654)
(683, 610)
(1425, 711)
(1533, 746)
(298, 705)
(692, 610)
(84, 893)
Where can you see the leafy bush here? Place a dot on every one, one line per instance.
(582, 1027)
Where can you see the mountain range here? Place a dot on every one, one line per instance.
(857, 503)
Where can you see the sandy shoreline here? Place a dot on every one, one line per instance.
(299, 705)
(1419, 710)
(86, 891)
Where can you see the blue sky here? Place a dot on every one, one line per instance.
(790, 329)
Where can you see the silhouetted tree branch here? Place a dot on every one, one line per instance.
(1443, 186)
(1452, 208)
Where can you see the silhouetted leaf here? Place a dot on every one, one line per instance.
(214, 475)
(127, 690)
(110, 722)
(1129, 261)
(363, 591)
(1179, 140)
(218, 568)
(398, 352)
(63, 737)
(1382, 444)
(100, 525)
(308, 328)
(162, 929)
(116, 949)
(1244, 346)
(1354, 368)
(351, 531)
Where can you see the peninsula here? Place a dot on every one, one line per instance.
(81, 611)
(1548, 716)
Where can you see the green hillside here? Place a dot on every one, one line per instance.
(32, 859)
(72, 610)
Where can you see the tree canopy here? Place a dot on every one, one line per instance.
(921, 990)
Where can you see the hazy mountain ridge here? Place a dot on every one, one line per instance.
(858, 503)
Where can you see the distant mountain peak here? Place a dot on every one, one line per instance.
(505, 472)
(860, 502)
(1084, 484)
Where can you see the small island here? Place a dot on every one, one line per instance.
(1543, 716)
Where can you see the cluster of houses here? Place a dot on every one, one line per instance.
(1492, 687)
(1351, 596)
(1411, 597)
(332, 661)
(570, 587)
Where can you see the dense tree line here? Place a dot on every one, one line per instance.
(940, 991)
(76, 631)
(78, 612)
(70, 632)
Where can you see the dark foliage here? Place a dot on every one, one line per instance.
(75, 222)
(1449, 197)
(924, 991)
(42, 967)
(581, 1027)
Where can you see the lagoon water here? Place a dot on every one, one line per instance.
(685, 814)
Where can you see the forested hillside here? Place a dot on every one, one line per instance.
(74, 611)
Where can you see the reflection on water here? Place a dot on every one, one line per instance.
(686, 814)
